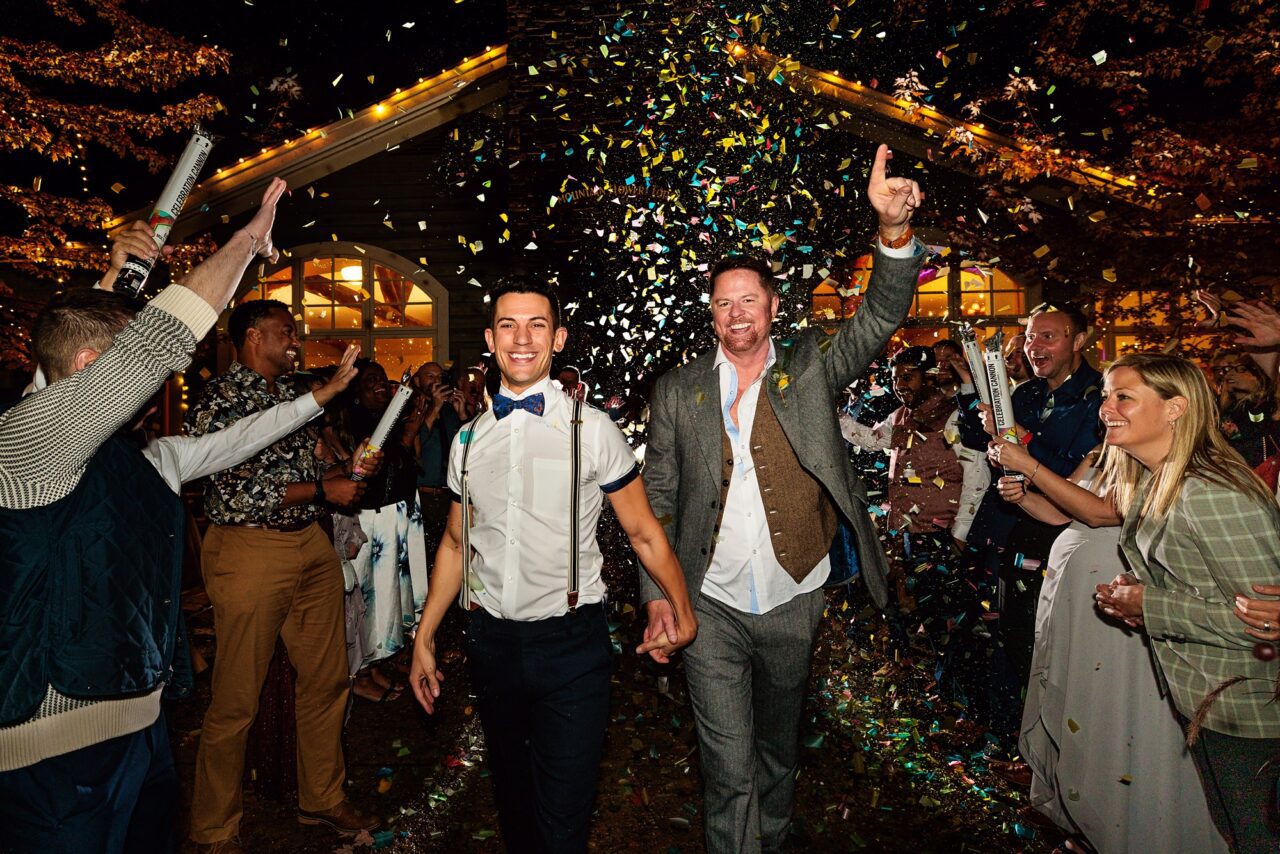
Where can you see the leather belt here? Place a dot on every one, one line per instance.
(282, 529)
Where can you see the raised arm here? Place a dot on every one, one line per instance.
(893, 279)
(215, 280)
(48, 437)
(187, 458)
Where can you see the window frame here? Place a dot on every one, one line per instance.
(369, 333)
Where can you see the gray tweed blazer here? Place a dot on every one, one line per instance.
(682, 468)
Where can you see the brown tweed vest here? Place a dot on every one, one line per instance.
(802, 519)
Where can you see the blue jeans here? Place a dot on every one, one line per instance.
(542, 690)
(119, 795)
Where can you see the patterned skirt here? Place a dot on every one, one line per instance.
(390, 575)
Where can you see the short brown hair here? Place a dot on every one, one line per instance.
(76, 319)
(1079, 323)
(759, 266)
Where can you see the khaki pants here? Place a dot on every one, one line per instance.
(263, 585)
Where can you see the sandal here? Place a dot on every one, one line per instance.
(389, 692)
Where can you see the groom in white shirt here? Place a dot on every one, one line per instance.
(538, 645)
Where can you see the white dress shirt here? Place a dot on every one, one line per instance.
(518, 482)
(744, 571)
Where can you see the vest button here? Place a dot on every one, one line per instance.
(729, 461)
(724, 483)
(715, 504)
(704, 551)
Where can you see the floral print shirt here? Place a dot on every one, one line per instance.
(253, 491)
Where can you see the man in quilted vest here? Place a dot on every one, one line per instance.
(91, 529)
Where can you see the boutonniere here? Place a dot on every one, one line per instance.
(781, 379)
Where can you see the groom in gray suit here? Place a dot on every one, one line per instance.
(748, 473)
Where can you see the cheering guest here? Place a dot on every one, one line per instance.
(92, 529)
(436, 420)
(945, 354)
(1056, 415)
(1200, 529)
(472, 399)
(935, 484)
(1098, 732)
(270, 572)
(1016, 364)
(1247, 406)
(390, 568)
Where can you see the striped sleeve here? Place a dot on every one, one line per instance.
(48, 437)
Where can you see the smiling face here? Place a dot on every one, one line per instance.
(943, 352)
(1137, 418)
(1053, 347)
(428, 376)
(911, 385)
(373, 392)
(1234, 375)
(742, 310)
(275, 342)
(1015, 359)
(523, 339)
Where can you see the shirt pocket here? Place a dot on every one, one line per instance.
(549, 491)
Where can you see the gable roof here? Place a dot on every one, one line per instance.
(434, 101)
(920, 129)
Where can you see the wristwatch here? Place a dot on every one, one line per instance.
(319, 496)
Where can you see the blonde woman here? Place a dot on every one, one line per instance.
(1098, 732)
(1199, 530)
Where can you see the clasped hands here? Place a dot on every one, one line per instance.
(666, 633)
(1122, 599)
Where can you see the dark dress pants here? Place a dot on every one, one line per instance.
(120, 795)
(542, 689)
(1022, 576)
(1241, 778)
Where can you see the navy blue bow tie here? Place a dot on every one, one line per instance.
(535, 404)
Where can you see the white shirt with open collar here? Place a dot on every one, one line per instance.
(519, 486)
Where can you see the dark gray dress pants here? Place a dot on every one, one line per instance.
(747, 675)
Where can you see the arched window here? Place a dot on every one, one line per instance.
(345, 293)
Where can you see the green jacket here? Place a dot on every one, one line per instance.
(1214, 544)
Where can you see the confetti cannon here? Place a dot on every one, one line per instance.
(997, 382)
(973, 355)
(378, 440)
(133, 275)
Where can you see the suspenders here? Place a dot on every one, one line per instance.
(575, 466)
(469, 434)
(575, 463)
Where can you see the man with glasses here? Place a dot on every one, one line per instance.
(1056, 412)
